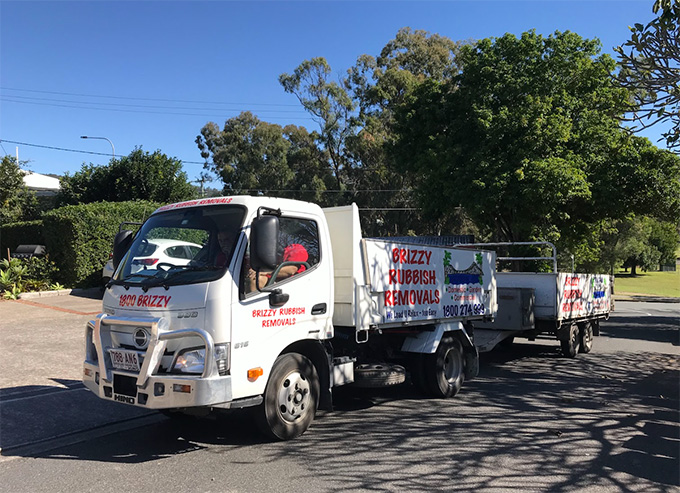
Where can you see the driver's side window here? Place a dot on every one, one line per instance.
(298, 251)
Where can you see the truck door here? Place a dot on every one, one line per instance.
(260, 329)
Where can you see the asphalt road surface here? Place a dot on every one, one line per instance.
(532, 421)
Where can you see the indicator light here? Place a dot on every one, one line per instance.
(255, 373)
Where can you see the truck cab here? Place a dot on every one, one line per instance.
(174, 336)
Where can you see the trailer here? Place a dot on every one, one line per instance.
(563, 305)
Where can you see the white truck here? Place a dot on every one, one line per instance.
(284, 302)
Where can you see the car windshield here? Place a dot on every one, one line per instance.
(182, 247)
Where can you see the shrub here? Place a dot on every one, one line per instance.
(20, 233)
(79, 238)
(30, 274)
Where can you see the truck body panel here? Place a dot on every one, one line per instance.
(386, 284)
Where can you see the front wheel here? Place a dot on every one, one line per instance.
(290, 398)
(444, 372)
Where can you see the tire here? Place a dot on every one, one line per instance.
(570, 346)
(585, 337)
(444, 370)
(378, 375)
(290, 399)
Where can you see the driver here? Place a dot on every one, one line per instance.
(292, 253)
(226, 240)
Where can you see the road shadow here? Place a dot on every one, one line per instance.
(35, 413)
(648, 328)
(566, 424)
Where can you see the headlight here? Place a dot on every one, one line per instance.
(192, 360)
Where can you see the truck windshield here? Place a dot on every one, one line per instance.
(182, 247)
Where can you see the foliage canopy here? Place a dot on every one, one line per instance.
(138, 176)
(16, 201)
(508, 138)
(650, 68)
(527, 139)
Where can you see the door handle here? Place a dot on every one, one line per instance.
(319, 309)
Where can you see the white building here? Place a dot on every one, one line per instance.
(42, 185)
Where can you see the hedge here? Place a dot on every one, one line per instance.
(79, 238)
(20, 233)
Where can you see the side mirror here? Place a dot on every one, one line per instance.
(264, 236)
(121, 244)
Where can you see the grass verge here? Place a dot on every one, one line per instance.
(651, 283)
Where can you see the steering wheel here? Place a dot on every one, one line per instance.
(165, 264)
(272, 279)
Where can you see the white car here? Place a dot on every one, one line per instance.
(155, 252)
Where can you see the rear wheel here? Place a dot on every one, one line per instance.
(570, 346)
(290, 398)
(444, 371)
(586, 337)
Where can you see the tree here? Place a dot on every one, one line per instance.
(638, 177)
(354, 115)
(635, 241)
(16, 201)
(260, 158)
(140, 175)
(648, 243)
(650, 69)
(519, 138)
(330, 106)
(380, 85)
(313, 179)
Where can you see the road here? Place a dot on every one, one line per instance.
(532, 420)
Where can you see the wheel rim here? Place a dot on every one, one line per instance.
(452, 365)
(294, 397)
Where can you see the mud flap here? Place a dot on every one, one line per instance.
(471, 358)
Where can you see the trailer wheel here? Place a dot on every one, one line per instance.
(585, 337)
(570, 345)
(290, 399)
(444, 370)
(378, 375)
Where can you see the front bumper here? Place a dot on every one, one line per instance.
(150, 388)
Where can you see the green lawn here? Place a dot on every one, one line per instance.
(654, 283)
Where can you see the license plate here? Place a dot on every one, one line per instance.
(123, 359)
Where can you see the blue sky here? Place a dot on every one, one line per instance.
(151, 74)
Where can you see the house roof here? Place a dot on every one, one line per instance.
(36, 181)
